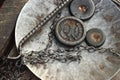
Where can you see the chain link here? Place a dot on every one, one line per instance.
(42, 23)
(61, 55)
(64, 55)
(117, 2)
(10, 70)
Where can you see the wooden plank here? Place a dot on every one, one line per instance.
(8, 15)
(1, 2)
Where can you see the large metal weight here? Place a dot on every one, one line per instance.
(70, 31)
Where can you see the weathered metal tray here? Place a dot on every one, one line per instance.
(93, 66)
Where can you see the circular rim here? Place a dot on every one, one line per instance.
(69, 42)
(75, 11)
(33, 66)
(91, 42)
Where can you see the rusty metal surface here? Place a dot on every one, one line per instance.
(95, 37)
(96, 66)
(82, 9)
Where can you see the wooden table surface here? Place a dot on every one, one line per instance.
(9, 11)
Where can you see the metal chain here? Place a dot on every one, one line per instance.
(61, 55)
(42, 23)
(117, 2)
(47, 55)
(64, 55)
(57, 55)
(57, 17)
(10, 70)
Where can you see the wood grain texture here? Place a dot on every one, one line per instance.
(9, 11)
(8, 14)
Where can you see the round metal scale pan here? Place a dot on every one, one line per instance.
(93, 66)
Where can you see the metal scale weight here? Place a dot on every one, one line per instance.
(69, 39)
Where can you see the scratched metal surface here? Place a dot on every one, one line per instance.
(93, 66)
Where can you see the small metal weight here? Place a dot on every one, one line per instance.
(95, 37)
(82, 9)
